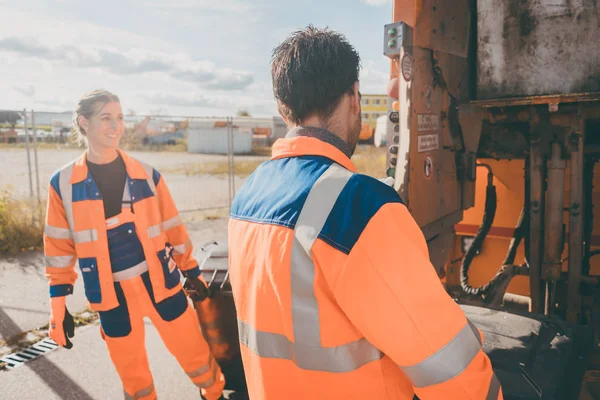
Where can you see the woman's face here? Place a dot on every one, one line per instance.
(105, 128)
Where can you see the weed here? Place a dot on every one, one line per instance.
(21, 227)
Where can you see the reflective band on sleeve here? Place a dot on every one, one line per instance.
(182, 248)
(172, 223)
(90, 235)
(211, 380)
(475, 331)
(202, 370)
(139, 394)
(446, 363)
(57, 233)
(60, 261)
(494, 390)
(153, 231)
(348, 357)
(66, 192)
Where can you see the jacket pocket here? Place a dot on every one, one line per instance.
(169, 267)
(91, 280)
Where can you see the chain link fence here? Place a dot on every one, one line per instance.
(204, 160)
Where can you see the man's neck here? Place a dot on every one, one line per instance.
(323, 135)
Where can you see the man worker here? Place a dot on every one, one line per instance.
(335, 294)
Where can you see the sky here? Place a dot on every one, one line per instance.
(175, 57)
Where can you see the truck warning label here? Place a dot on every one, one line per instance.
(428, 166)
(428, 122)
(428, 142)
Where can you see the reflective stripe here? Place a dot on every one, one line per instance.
(348, 357)
(132, 272)
(172, 223)
(316, 209)
(306, 351)
(211, 380)
(153, 231)
(182, 248)
(126, 202)
(150, 172)
(142, 393)
(66, 192)
(494, 390)
(90, 235)
(203, 369)
(60, 261)
(446, 363)
(55, 232)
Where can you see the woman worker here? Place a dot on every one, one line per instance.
(115, 216)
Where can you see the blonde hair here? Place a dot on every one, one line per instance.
(88, 107)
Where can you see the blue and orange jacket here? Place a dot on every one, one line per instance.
(335, 294)
(76, 231)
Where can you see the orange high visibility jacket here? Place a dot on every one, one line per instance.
(335, 294)
(76, 231)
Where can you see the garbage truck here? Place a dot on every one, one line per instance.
(493, 140)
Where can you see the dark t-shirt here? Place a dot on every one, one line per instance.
(110, 179)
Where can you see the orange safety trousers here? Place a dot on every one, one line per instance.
(123, 331)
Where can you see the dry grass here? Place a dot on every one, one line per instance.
(19, 231)
(370, 160)
(241, 168)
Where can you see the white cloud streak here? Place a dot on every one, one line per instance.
(178, 66)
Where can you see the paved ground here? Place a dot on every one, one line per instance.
(85, 372)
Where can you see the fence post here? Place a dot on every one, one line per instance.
(37, 165)
(29, 164)
(230, 159)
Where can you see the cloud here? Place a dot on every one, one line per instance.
(28, 90)
(377, 3)
(227, 104)
(134, 61)
(372, 79)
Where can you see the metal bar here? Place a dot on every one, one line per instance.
(553, 224)
(37, 165)
(575, 227)
(588, 181)
(28, 164)
(538, 100)
(536, 221)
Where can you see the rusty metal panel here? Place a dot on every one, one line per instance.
(434, 191)
(444, 25)
(537, 47)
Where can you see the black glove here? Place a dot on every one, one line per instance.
(69, 328)
(196, 289)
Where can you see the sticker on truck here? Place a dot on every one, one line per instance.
(428, 122)
(428, 142)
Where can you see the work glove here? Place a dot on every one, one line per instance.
(388, 181)
(62, 325)
(196, 287)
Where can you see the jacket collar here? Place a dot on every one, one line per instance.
(310, 146)
(80, 169)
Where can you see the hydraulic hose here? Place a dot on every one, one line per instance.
(503, 275)
(486, 224)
